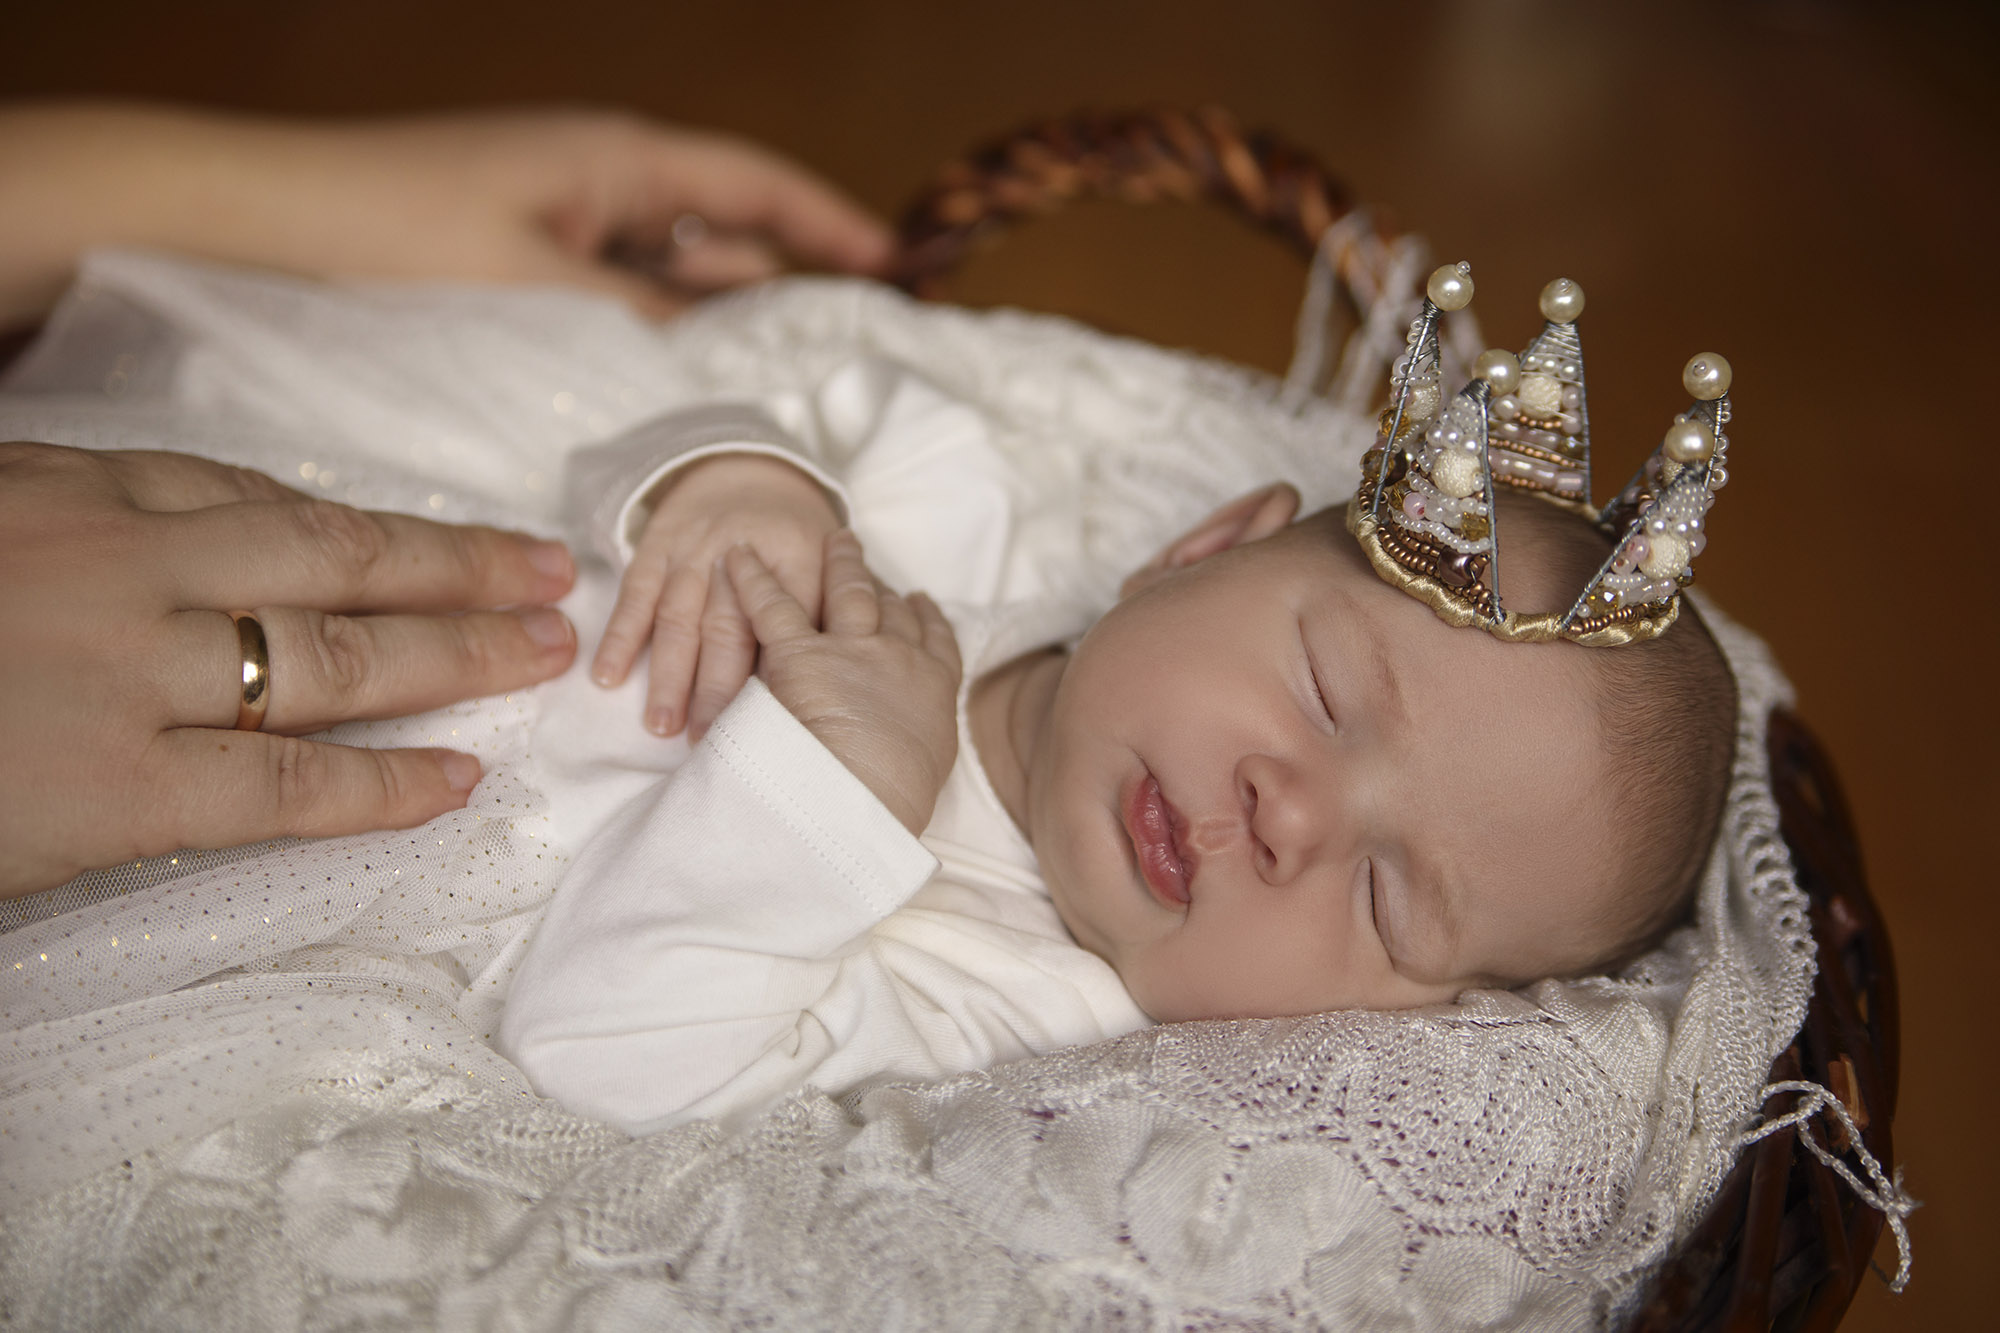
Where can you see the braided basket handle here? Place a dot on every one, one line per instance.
(1135, 157)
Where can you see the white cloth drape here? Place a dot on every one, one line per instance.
(253, 1089)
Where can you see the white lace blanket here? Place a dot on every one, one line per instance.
(252, 1090)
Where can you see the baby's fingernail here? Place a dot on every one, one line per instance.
(460, 770)
(602, 676)
(549, 629)
(660, 721)
(551, 559)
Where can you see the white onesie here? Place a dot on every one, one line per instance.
(754, 919)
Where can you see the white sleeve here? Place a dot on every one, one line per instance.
(613, 486)
(684, 964)
(913, 469)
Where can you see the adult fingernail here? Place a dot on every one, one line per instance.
(551, 559)
(549, 629)
(460, 770)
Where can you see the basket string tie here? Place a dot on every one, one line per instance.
(1886, 1196)
(1309, 350)
(1385, 280)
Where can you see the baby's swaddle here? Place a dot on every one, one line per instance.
(317, 1115)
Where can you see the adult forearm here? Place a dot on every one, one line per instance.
(525, 196)
(80, 175)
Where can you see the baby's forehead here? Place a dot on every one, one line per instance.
(1479, 719)
(1398, 659)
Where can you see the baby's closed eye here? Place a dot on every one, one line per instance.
(1313, 677)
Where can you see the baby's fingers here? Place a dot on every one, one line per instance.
(631, 621)
(728, 654)
(677, 634)
(850, 598)
(939, 640)
(774, 614)
(899, 619)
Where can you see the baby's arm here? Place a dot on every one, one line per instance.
(705, 953)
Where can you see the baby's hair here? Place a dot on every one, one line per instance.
(1668, 707)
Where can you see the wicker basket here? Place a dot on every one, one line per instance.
(1785, 1244)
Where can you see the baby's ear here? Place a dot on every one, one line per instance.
(1247, 518)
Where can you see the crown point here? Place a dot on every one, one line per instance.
(1688, 442)
(1706, 376)
(1562, 301)
(1499, 368)
(1450, 287)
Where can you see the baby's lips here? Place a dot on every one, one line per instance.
(1150, 824)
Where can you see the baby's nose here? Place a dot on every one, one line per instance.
(1286, 819)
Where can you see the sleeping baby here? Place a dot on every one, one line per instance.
(929, 835)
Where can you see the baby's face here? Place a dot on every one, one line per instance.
(1273, 784)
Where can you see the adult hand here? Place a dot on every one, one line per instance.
(601, 200)
(675, 594)
(878, 686)
(120, 667)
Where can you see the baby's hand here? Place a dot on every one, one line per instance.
(676, 595)
(879, 687)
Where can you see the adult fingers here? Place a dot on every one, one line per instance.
(738, 186)
(710, 261)
(646, 290)
(168, 482)
(333, 558)
(722, 260)
(676, 649)
(146, 479)
(728, 655)
(223, 788)
(775, 616)
(850, 602)
(939, 640)
(326, 669)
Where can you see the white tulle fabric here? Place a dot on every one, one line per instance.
(253, 1089)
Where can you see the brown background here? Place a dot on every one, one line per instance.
(1796, 185)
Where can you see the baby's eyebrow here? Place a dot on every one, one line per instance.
(1387, 688)
(1357, 623)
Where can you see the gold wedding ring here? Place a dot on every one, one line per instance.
(256, 671)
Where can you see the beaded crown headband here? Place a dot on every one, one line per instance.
(1425, 513)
